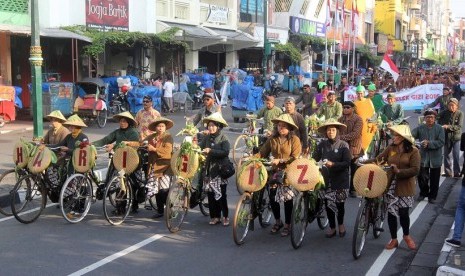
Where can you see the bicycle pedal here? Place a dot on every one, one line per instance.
(378, 229)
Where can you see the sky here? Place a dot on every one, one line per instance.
(457, 7)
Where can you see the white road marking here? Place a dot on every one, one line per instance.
(116, 255)
(33, 210)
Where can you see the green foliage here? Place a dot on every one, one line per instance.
(438, 59)
(317, 43)
(366, 53)
(290, 51)
(127, 39)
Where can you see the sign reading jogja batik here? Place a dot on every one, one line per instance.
(217, 14)
(306, 27)
(410, 99)
(107, 15)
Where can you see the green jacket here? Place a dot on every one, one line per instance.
(377, 101)
(330, 111)
(392, 113)
(455, 120)
(119, 135)
(431, 157)
(268, 115)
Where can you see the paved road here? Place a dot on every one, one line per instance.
(144, 246)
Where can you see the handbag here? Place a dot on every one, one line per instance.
(226, 169)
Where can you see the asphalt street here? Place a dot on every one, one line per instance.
(144, 246)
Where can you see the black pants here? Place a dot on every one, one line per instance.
(431, 175)
(404, 222)
(161, 197)
(219, 206)
(353, 168)
(288, 205)
(332, 216)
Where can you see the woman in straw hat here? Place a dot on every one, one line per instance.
(124, 134)
(57, 131)
(404, 160)
(216, 148)
(284, 148)
(336, 156)
(160, 148)
(75, 125)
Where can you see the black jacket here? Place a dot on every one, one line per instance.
(219, 145)
(336, 177)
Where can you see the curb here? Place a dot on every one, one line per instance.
(16, 130)
(449, 271)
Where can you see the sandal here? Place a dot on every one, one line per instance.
(276, 228)
(225, 221)
(286, 231)
(214, 221)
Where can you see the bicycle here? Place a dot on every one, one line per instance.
(77, 193)
(32, 189)
(248, 142)
(185, 163)
(372, 209)
(381, 138)
(254, 202)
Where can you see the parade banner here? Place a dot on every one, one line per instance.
(106, 15)
(410, 99)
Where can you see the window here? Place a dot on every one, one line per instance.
(251, 11)
(398, 29)
(367, 33)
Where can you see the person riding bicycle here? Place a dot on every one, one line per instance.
(268, 113)
(160, 149)
(215, 146)
(442, 100)
(404, 159)
(284, 147)
(331, 108)
(301, 131)
(308, 101)
(336, 156)
(57, 131)
(392, 113)
(126, 132)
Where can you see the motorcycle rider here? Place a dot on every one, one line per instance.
(198, 96)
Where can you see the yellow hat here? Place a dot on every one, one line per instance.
(286, 118)
(169, 124)
(127, 115)
(56, 114)
(75, 120)
(333, 123)
(404, 131)
(215, 117)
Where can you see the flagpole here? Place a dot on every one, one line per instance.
(334, 47)
(342, 40)
(326, 56)
(354, 30)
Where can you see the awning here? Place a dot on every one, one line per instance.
(46, 32)
(233, 35)
(190, 30)
(198, 36)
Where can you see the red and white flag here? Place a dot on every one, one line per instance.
(388, 65)
(328, 14)
(354, 18)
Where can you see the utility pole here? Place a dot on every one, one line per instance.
(266, 45)
(36, 70)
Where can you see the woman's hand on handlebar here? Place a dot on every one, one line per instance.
(109, 147)
(395, 169)
(206, 151)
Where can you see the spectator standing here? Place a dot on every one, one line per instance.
(308, 100)
(168, 88)
(146, 116)
(432, 138)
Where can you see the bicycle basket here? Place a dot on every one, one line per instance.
(126, 158)
(21, 152)
(370, 181)
(252, 176)
(303, 174)
(84, 158)
(185, 165)
(40, 161)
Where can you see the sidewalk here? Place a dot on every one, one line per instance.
(16, 126)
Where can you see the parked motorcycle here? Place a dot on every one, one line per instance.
(120, 103)
(198, 95)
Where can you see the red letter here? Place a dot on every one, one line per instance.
(19, 155)
(370, 179)
(301, 179)
(38, 161)
(82, 157)
(251, 175)
(185, 161)
(125, 157)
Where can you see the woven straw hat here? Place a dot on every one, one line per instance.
(56, 114)
(169, 124)
(286, 118)
(330, 122)
(215, 117)
(370, 181)
(128, 116)
(75, 120)
(404, 131)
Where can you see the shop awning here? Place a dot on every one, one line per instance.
(46, 32)
(190, 30)
(199, 36)
(233, 35)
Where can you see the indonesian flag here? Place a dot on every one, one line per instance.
(354, 18)
(328, 14)
(389, 66)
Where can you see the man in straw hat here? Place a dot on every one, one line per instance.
(432, 138)
(392, 112)
(284, 146)
(404, 159)
(57, 131)
(335, 154)
(146, 116)
(299, 121)
(451, 120)
(215, 146)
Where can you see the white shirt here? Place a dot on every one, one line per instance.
(168, 87)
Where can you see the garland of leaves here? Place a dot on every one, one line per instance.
(290, 51)
(127, 39)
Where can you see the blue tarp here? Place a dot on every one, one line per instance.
(113, 85)
(18, 91)
(246, 98)
(136, 95)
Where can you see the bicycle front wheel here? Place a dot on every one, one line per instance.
(242, 218)
(102, 116)
(75, 198)
(241, 148)
(378, 218)
(177, 204)
(360, 229)
(117, 200)
(31, 198)
(299, 219)
(203, 204)
(8, 180)
(264, 207)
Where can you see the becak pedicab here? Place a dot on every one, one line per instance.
(92, 100)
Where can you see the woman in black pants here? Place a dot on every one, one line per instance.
(336, 158)
(216, 147)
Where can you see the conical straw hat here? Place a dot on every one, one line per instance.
(285, 118)
(127, 115)
(169, 124)
(404, 131)
(215, 117)
(56, 114)
(75, 120)
(330, 122)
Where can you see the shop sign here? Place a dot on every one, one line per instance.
(306, 27)
(106, 15)
(217, 14)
